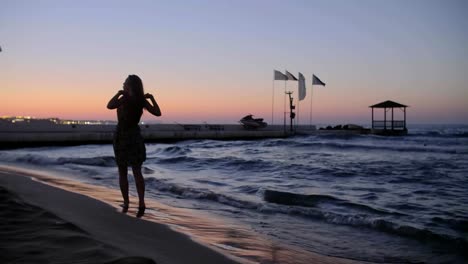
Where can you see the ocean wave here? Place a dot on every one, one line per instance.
(305, 208)
(440, 134)
(339, 136)
(396, 148)
(99, 161)
(375, 223)
(209, 182)
(177, 159)
(390, 227)
(32, 159)
(243, 164)
(199, 194)
(170, 151)
(456, 224)
(419, 143)
(147, 170)
(222, 163)
(287, 198)
(275, 142)
(249, 189)
(215, 144)
(426, 235)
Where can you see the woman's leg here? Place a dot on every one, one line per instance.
(123, 180)
(140, 185)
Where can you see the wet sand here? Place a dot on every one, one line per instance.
(32, 235)
(89, 223)
(44, 224)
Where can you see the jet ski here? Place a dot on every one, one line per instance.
(252, 123)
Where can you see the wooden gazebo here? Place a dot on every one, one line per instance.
(389, 127)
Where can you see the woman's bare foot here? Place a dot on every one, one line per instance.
(141, 211)
(125, 206)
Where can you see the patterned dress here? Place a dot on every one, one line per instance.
(129, 148)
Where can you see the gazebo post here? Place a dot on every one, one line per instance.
(372, 117)
(404, 119)
(385, 119)
(392, 118)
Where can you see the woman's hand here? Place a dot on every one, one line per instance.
(117, 100)
(154, 107)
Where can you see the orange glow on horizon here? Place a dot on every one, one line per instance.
(86, 99)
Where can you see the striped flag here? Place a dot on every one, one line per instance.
(316, 80)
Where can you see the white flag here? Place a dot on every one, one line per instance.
(317, 81)
(280, 76)
(302, 87)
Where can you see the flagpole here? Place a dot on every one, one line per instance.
(297, 120)
(298, 102)
(311, 98)
(284, 107)
(273, 99)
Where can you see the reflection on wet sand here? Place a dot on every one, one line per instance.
(232, 239)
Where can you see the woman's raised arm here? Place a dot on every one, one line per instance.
(115, 101)
(154, 107)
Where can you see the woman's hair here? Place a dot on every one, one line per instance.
(136, 85)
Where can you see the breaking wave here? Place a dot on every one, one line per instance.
(100, 161)
(308, 206)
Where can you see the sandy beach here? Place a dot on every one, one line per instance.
(43, 224)
(46, 219)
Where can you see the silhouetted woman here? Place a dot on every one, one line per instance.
(129, 148)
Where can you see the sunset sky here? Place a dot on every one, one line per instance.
(213, 61)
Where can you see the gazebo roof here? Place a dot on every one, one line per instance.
(388, 104)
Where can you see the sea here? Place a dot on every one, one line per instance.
(383, 199)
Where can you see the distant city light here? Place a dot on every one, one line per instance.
(53, 120)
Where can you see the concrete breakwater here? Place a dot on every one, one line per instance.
(33, 134)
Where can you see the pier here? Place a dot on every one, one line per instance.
(27, 134)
